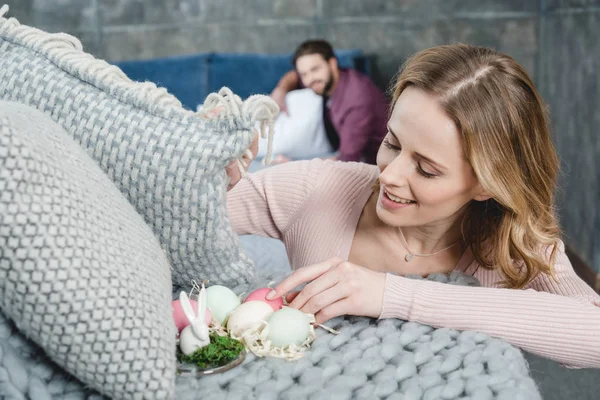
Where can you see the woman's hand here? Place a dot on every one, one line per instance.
(280, 159)
(233, 172)
(336, 288)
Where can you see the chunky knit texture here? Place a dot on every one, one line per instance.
(369, 359)
(385, 359)
(168, 162)
(81, 273)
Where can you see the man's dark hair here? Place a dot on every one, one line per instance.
(314, 46)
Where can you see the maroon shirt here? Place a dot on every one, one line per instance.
(359, 113)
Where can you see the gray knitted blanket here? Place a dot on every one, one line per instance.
(388, 359)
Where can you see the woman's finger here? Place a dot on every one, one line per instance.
(302, 275)
(314, 288)
(341, 307)
(254, 145)
(212, 113)
(291, 296)
(233, 172)
(326, 298)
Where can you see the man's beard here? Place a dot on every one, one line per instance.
(328, 85)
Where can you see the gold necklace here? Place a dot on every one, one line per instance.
(409, 257)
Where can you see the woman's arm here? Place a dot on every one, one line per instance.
(558, 320)
(565, 281)
(266, 203)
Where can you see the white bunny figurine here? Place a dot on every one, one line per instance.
(195, 335)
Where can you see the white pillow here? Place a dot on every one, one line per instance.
(299, 134)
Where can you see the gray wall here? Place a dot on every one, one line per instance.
(557, 41)
(569, 61)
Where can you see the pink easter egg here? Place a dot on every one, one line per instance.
(261, 295)
(181, 320)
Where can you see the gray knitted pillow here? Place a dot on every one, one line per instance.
(169, 163)
(81, 273)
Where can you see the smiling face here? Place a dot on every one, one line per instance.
(425, 179)
(316, 72)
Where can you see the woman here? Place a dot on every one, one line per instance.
(464, 182)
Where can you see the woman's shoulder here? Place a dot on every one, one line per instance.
(318, 172)
(345, 176)
(351, 169)
(326, 169)
(325, 180)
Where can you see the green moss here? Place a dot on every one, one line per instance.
(220, 351)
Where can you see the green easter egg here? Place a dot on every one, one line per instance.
(288, 326)
(221, 301)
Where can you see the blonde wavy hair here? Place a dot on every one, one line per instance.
(506, 139)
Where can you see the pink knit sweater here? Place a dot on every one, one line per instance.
(314, 207)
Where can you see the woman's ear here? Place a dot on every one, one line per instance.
(481, 194)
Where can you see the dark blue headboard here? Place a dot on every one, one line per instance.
(191, 78)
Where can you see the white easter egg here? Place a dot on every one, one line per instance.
(248, 314)
(221, 301)
(288, 326)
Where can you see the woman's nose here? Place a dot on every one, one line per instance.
(396, 172)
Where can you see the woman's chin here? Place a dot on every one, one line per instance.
(388, 217)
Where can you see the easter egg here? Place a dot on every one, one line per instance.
(181, 320)
(288, 326)
(221, 301)
(261, 295)
(247, 315)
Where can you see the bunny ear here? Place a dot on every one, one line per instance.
(186, 306)
(202, 303)
(203, 332)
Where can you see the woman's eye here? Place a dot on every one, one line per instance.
(389, 145)
(424, 173)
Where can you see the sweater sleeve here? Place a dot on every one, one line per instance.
(555, 319)
(266, 203)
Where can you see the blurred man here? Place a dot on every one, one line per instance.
(354, 109)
